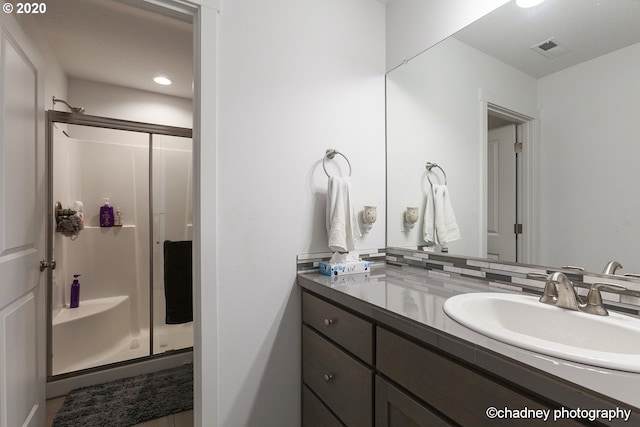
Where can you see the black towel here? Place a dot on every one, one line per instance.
(178, 282)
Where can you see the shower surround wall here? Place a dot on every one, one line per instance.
(114, 262)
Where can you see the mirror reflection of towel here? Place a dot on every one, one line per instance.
(178, 282)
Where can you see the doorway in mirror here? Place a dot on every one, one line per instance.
(505, 192)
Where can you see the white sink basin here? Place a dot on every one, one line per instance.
(605, 341)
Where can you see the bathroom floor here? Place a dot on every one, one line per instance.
(181, 419)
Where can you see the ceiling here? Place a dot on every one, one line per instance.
(588, 29)
(116, 42)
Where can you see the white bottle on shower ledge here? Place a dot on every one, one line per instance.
(117, 221)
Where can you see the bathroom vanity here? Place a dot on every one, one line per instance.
(377, 350)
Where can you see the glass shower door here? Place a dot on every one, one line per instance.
(135, 274)
(91, 165)
(172, 239)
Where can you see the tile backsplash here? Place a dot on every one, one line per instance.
(511, 276)
(493, 273)
(308, 262)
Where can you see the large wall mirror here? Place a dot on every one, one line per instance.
(534, 116)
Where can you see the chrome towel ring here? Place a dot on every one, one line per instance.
(330, 154)
(430, 166)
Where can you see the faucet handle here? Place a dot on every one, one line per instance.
(594, 297)
(534, 275)
(632, 275)
(550, 293)
(573, 267)
(606, 286)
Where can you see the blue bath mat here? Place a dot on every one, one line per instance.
(129, 401)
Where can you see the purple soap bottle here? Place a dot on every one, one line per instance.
(75, 292)
(106, 214)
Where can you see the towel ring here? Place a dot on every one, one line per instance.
(330, 154)
(430, 166)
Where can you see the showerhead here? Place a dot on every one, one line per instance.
(79, 110)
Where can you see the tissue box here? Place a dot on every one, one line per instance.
(342, 269)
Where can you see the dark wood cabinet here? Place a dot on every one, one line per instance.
(314, 413)
(394, 408)
(337, 350)
(361, 371)
(344, 384)
(343, 328)
(449, 387)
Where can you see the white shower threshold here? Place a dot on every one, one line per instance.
(167, 338)
(60, 387)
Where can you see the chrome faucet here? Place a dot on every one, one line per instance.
(560, 291)
(611, 267)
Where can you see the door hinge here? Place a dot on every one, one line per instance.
(517, 147)
(44, 264)
(517, 228)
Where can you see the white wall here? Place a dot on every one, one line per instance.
(101, 99)
(434, 114)
(589, 172)
(295, 78)
(415, 25)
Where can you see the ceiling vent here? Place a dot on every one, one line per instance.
(551, 48)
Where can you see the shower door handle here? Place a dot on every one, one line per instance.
(44, 264)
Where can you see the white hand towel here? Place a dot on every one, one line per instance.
(440, 225)
(342, 224)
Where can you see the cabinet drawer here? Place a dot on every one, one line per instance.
(351, 332)
(314, 413)
(340, 381)
(451, 388)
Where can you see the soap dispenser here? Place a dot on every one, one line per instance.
(106, 214)
(75, 292)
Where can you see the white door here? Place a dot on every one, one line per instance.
(22, 231)
(501, 215)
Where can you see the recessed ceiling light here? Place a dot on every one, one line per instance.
(161, 80)
(528, 3)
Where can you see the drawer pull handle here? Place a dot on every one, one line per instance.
(328, 377)
(328, 322)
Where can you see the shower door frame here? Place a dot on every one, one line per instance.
(104, 123)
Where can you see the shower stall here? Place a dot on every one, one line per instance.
(134, 269)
